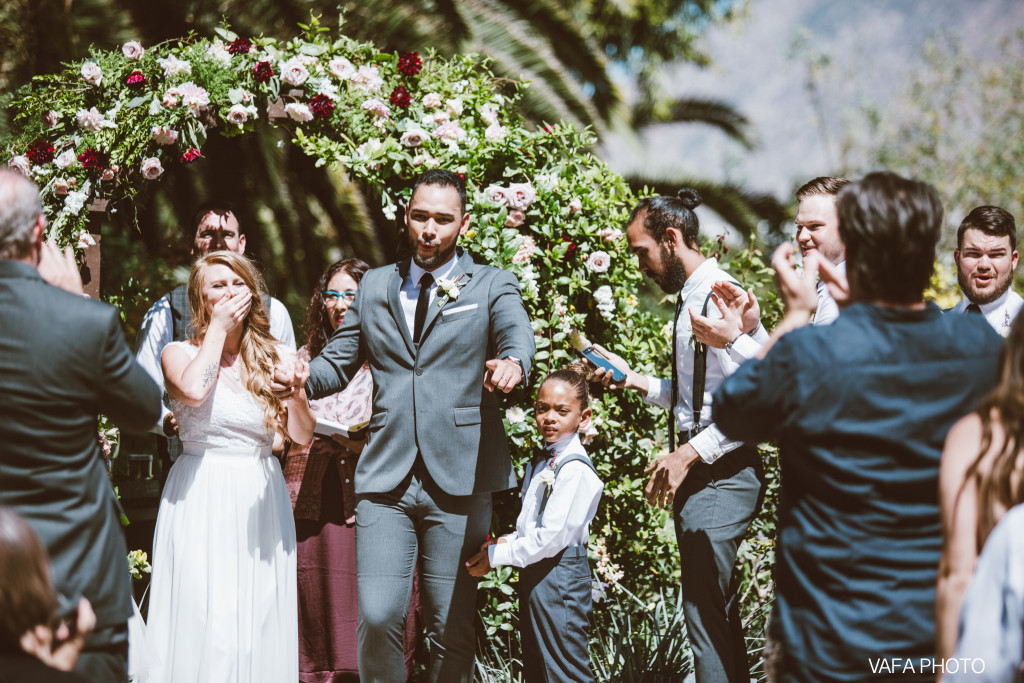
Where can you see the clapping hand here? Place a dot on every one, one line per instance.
(60, 270)
(503, 374)
(740, 315)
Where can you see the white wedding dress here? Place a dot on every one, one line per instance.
(223, 603)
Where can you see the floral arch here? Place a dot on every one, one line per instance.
(99, 133)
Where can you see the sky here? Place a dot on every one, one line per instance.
(759, 65)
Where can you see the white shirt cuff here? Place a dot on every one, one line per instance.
(657, 392)
(744, 348)
(711, 444)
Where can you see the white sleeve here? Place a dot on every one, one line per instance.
(570, 508)
(281, 324)
(658, 391)
(744, 348)
(711, 444)
(156, 333)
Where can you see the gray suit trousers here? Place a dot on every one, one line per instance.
(418, 518)
(713, 508)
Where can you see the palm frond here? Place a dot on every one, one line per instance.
(715, 113)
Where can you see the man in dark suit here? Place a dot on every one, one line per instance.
(440, 333)
(63, 361)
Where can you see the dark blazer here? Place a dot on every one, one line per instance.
(63, 361)
(431, 398)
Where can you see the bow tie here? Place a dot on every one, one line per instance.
(541, 455)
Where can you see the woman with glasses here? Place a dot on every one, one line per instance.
(321, 481)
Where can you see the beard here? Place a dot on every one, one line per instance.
(672, 276)
(431, 262)
(1001, 284)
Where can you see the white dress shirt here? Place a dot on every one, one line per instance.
(410, 293)
(747, 346)
(567, 515)
(1000, 313)
(158, 331)
(710, 444)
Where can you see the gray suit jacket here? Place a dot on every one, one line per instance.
(64, 360)
(431, 399)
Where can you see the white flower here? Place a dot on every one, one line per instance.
(389, 212)
(329, 90)
(414, 137)
(598, 261)
(489, 114)
(525, 251)
(91, 120)
(92, 73)
(85, 240)
(218, 53)
(162, 135)
(450, 131)
(603, 294)
(515, 218)
(547, 181)
(454, 106)
(298, 112)
(547, 476)
(515, 415)
(341, 68)
(247, 97)
(589, 432)
(521, 196)
(173, 67)
(450, 288)
(238, 115)
(108, 173)
(20, 163)
(495, 132)
(496, 194)
(294, 72)
(170, 99)
(431, 100)
(74, 201)
(575, 206)
(152, 168)
(435, 119)
(51, 118)
(66, 158)
(368, 148)
(132, 50)
(611, 234)
(377, 108)
(368, 78)
(193, 96)
(421, 159)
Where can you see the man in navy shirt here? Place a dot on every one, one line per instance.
(861, 409)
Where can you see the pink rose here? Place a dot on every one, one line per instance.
(132, 50)
(61, 186)
(298, 112)
(238, 115)
(20, 163)
(495, 132)
(515, 219)
(611, 234)
(414, 137)
(194, 97)
(377, 108)
(92, 73)
(152, 168)
(575, 206)
(90, 120)
(51, 118)
(66, 159)
(450, 131)
(170, 99)
(164, 136)
(435, 119)
(368, 78)
(598, 261)
(294, 72)
(108, 174)
(431, 100)
(526, 247)
(341, 68)
(496, 195)
(521, 196)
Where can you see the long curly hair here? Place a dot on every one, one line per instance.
(318, 325)
(998, 470)
(258, 348)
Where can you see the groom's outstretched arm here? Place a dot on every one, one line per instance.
(341, 358)
(511, 332)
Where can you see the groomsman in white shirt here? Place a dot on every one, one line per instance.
(817, 233)
(986, 256)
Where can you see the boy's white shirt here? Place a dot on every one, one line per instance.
(567, 515)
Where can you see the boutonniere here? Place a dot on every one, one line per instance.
(448, 289)
(547, 475)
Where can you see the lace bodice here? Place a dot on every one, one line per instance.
(229, 416)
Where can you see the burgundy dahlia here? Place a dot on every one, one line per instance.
(136, 80)
(93, 158)
(409, 63)
(321, 106)
(191, 155)
(40, 152)
(400, 98)
(240, 46)
(571, 251)
(262, 72)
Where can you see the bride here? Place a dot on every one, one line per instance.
(223, 605)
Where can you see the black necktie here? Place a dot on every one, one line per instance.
(421, 306)
(973, 308)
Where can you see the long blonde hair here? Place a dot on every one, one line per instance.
(258, 348)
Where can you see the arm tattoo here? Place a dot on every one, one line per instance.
(209, 374)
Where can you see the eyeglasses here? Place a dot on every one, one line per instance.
(330, 296)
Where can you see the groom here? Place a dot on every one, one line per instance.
(440, 334)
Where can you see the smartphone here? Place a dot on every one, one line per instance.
(587, 351)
